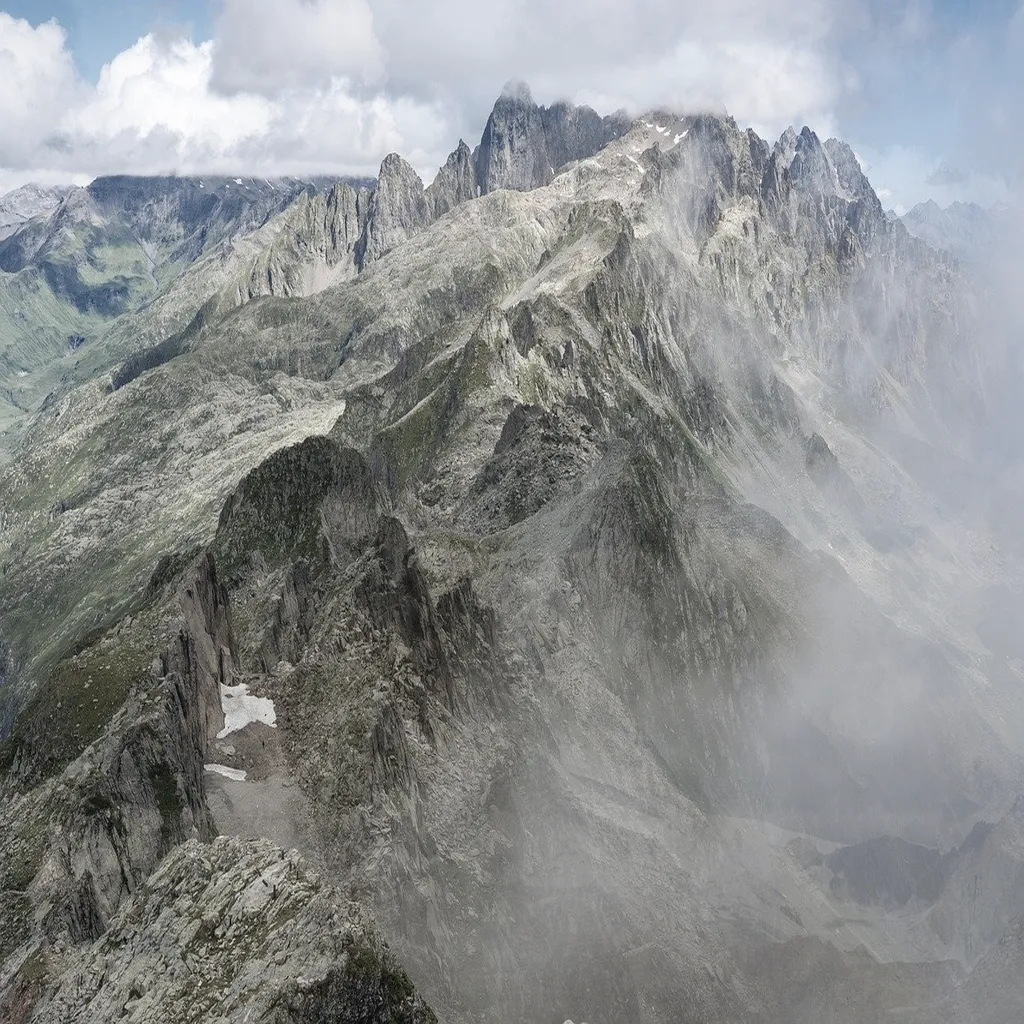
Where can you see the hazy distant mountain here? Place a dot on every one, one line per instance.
(967, 230)
(27, 202)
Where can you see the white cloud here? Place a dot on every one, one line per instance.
(770, 62)
(154, 110)
(165, 87)
(39, 82)
(331, 86)
(904, 175)
(766, 85)
(266, 46)
(767, 61)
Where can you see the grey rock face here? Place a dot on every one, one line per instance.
(28, 202)
(983, 897)
(317, 236)
(524, 144)
(397, 209)
(455, 183)
(197, 213)
(848, 171)
(81, 832)
(967, 230)
(270, 514)
(235, 931)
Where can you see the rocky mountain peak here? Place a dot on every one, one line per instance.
(786, 146)
(28, 201)
(456, 182)
(811, 170)
(849, 173)
(397, 208)
(966, 230)
(515, 90)
(524, 144)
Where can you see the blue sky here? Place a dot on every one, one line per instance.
(927, 91)
(99, 29)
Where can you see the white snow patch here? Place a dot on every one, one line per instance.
(201, 185)
(235, 774)
(679, 138)
(242, 709)
(22, 373)
(661, 128)
(238, 181)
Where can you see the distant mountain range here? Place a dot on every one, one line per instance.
(967, 230)
(21, 205)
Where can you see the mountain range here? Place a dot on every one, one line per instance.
(969, 231)
(587, 586)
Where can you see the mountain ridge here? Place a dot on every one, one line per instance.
(587, 540)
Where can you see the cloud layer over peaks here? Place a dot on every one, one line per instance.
(292, 85)
(317, 86)
(268, 46)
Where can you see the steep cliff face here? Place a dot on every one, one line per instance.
(455, 183)
(88, 815)
(523, 145)
(984, 896)
(114, 904)
(398, 209)
(314, 244)
(192, 215)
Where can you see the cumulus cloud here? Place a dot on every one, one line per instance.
(266, 46)
(39, 84)
(772, 84)
(155, 110)
(773, 61)
(156, 87)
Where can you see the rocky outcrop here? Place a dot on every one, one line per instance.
(537, 458)
(455, 183)
(313, 499)
(232, 932)
(524, 144)
(77, 846)
(888, 872)
(8, 708)
(318, 233)
(28, 202)
(191, 215)
(397, 210)
(985, 890)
